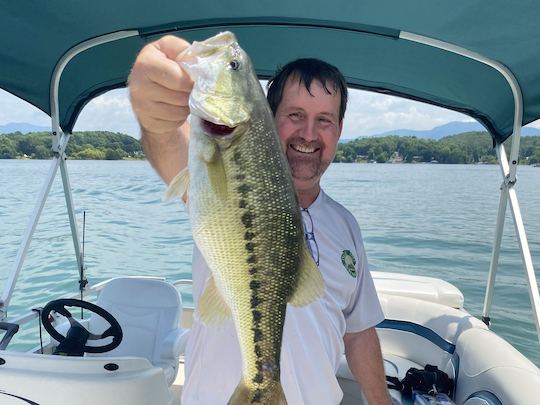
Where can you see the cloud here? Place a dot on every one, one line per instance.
(13, 109)
(367, 114)
(534, 124)
(373, 113)
(110, 112)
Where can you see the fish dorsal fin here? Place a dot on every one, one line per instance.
(178, 186)
(310, 286)
(212, 308)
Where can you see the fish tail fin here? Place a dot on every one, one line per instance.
(272, 395)
(178, 186)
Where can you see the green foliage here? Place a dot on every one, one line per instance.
(97, 145)
(469, 147)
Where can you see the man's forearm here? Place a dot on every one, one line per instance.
(167, 153)
(363, 353)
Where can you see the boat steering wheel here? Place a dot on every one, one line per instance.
(74, 343)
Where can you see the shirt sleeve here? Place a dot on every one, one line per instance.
(364, 309)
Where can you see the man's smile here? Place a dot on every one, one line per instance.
(304, 148)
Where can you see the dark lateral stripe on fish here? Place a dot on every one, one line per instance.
(247, 219)
(236, 157)
(257, 335)
(257, 397)
(258, 379)
(255, 300)
(258, 351)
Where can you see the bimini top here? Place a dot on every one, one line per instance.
(364, 38)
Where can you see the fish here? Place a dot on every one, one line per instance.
(244, 213)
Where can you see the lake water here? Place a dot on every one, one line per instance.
(432, 220)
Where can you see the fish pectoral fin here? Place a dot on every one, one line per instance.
(310, 286)
(212, 308)
(178, 186)
(218, 177)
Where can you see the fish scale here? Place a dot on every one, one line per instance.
(244, 214)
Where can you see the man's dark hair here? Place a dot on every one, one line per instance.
(307, 70)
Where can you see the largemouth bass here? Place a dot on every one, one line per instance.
(244, 213)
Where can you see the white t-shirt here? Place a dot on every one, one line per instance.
(313, 335)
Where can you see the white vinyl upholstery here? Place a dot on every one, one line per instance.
(149, 311)
(491, 368)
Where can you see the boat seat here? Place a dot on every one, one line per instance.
(149, 312)
(488, 379)
(424, 332)
(429, 289)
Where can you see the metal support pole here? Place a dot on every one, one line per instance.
(503, 202)
(525, 256)
(508, 193)
(495, 256)
(71, 211)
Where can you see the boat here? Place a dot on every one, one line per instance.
(474, 57)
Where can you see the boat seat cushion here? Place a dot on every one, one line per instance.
(424, 332)
(420, 287)
(149, 312)
(507, 378)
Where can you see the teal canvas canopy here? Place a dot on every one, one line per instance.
(364, 38)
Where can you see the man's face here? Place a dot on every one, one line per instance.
(309, 129)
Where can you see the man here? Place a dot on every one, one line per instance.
(308, 99)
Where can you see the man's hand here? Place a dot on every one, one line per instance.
(159, 92)
(363, 353)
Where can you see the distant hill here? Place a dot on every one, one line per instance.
(452, 128)
(98, 145)
(21, 127)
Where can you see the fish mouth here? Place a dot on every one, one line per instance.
(216, 130)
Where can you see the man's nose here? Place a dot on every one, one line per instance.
(309, 130)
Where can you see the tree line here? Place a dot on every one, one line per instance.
(468, 147)
(98, 145)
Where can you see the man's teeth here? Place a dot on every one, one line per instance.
(304, 148)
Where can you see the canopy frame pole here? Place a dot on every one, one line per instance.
(59, 69)
(509, 168)
(72, 217)
(57, 130)
(495, 253)
(59, 143)
(508, 189)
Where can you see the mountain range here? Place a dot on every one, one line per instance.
(452, 128)
(22, 127)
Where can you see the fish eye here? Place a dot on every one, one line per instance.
(234, 64)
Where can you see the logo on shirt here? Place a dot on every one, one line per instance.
(349, 262)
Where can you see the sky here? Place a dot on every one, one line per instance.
(367, 114)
